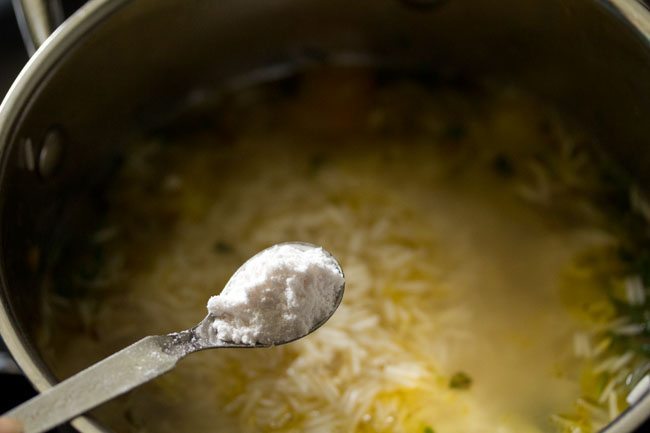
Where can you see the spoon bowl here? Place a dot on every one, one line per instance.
(202, 337)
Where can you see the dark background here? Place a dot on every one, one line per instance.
(12, 53)
(13, 388)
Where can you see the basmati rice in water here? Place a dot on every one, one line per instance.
(451, 265)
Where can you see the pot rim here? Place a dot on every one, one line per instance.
(34, 74)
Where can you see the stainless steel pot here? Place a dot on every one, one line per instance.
(117, 66)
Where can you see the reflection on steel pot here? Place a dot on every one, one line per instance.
(118, 66)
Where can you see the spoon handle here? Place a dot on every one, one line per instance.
(113, 376)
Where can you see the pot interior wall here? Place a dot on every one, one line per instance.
(154, 57)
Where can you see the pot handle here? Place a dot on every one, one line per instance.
(37, 20)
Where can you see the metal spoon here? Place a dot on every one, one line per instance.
(133, 366)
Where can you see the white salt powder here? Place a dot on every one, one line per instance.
(277, 296)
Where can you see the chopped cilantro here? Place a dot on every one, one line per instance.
(503, 165)
(316, 163)
(460, 380)
(455, 132)
(221, 247)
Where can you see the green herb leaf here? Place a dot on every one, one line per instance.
(316, 163)
(221, 247)
(503, 165)
(460, 380)
(455, 132)
(428, 429)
